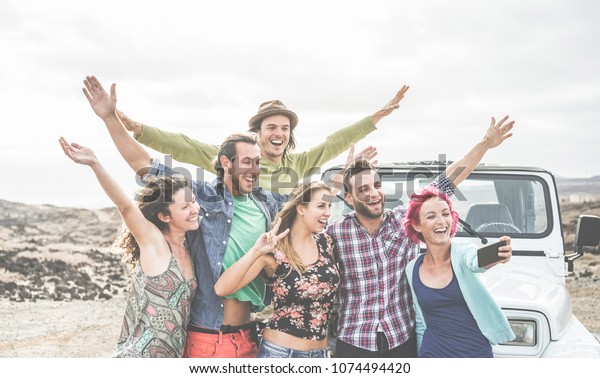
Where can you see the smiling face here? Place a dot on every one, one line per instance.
(274, 136)
(183, 212)
(435, 222)
(243, 169)
(314, 214)
(366, 194)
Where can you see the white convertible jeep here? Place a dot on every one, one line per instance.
(523, 203)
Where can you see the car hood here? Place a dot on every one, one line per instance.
(531, 290)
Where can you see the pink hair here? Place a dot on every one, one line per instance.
(414, 207)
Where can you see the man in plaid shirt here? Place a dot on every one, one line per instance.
(376, 317)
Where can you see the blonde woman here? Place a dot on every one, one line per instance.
(299, 267)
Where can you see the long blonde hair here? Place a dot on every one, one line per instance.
(300, 195)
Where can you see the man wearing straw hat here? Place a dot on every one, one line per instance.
(275, 124)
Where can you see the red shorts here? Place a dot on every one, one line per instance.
(222, 345)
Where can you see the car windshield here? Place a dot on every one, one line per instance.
(492, 205)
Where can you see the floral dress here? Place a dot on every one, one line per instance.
(302, 303)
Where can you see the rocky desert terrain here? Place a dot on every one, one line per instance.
(62, 286)
(584, 284)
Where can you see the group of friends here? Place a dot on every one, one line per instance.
(207, 257)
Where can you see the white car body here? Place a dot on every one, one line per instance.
(531, 288)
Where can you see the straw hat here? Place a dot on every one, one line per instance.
(273, 107)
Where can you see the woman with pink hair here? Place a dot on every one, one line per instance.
(455, 314)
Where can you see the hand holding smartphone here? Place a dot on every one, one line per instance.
(489, 254)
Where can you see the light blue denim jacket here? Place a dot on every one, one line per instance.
(489, 316)
(208, 244)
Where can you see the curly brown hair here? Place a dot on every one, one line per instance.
(153, 199)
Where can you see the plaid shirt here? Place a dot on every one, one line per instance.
(374, 291)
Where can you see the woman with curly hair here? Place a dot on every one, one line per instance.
(163, 285)
(299, 267)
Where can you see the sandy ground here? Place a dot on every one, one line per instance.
(584, 288)
(60, 329)
(43, 249)
(91, 328)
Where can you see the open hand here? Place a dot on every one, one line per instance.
(336, 180)
(79, 154)
(392, 105)
(369, 154)
(102, 104)
(130, 124)
(498, 132)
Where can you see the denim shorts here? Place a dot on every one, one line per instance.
(270, 350)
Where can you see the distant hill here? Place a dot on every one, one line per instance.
(579, 189)
(46, 225)
(595, 178)
(49, 252)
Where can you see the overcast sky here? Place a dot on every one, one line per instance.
(202, 68)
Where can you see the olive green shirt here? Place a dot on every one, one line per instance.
(279, 178)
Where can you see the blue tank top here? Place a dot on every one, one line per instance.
(451, 329)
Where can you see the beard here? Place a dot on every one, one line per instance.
(364, 210)
(236, 181)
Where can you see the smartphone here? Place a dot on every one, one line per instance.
(489, 254)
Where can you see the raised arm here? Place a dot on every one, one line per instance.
(130, 125)
(392, 105)
(251, 264)
(182, 147)
(105, 107)
(137, 224)
(336, 181)
(309, 161)
(497, 133)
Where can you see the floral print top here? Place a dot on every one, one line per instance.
(302, 304)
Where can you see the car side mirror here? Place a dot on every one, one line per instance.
(586, 235)
(588, 231)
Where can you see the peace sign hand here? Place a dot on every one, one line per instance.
(267, 242)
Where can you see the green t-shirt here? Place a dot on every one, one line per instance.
(247, 225)
(278, 178)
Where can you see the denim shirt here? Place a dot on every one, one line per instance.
(208, 244)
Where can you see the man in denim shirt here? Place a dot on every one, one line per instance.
(219, 327)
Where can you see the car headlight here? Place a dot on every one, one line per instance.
(525, 332)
